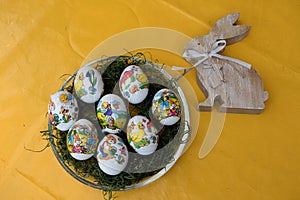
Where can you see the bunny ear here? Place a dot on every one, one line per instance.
(230, 19)
(226, 28)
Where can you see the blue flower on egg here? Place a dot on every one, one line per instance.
(93, 80)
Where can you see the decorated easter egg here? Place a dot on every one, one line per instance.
(82, 140)
(62, 110)
(141, 135)
(166, 107)
(112, 113)
(88, 84)
(112, 155)
(134, 84)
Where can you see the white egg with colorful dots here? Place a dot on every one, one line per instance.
(134, 84)
(112, 155)
(82, 140)
(88, 84)
(62, 110)
(166, 107)
(142, 135)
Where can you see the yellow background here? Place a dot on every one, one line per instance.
(256, 157)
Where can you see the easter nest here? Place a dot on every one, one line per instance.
(140, 170)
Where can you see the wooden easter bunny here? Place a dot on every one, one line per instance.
(234, 84)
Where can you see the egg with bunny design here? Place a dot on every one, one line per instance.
(112, 154)
(82, 139)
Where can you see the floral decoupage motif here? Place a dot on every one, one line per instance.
(79, 86)
(88, 84)
(134, 84)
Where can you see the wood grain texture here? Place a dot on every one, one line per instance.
(228, 84)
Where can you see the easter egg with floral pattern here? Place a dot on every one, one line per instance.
(134, 84)
(88, 84)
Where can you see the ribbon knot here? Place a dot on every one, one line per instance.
(216, 48)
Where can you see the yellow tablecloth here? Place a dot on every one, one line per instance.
(256, 157)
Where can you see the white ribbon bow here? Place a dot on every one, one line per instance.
(216, 48)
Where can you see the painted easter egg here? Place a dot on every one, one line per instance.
(112, 113)
(62, 110)
(134, 84)
(141, 135)
(166, 107)
(112, 155)
(88, 84)
(82, 140)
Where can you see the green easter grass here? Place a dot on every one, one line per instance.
(169, 136)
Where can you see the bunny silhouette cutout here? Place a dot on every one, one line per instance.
(233, 84)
